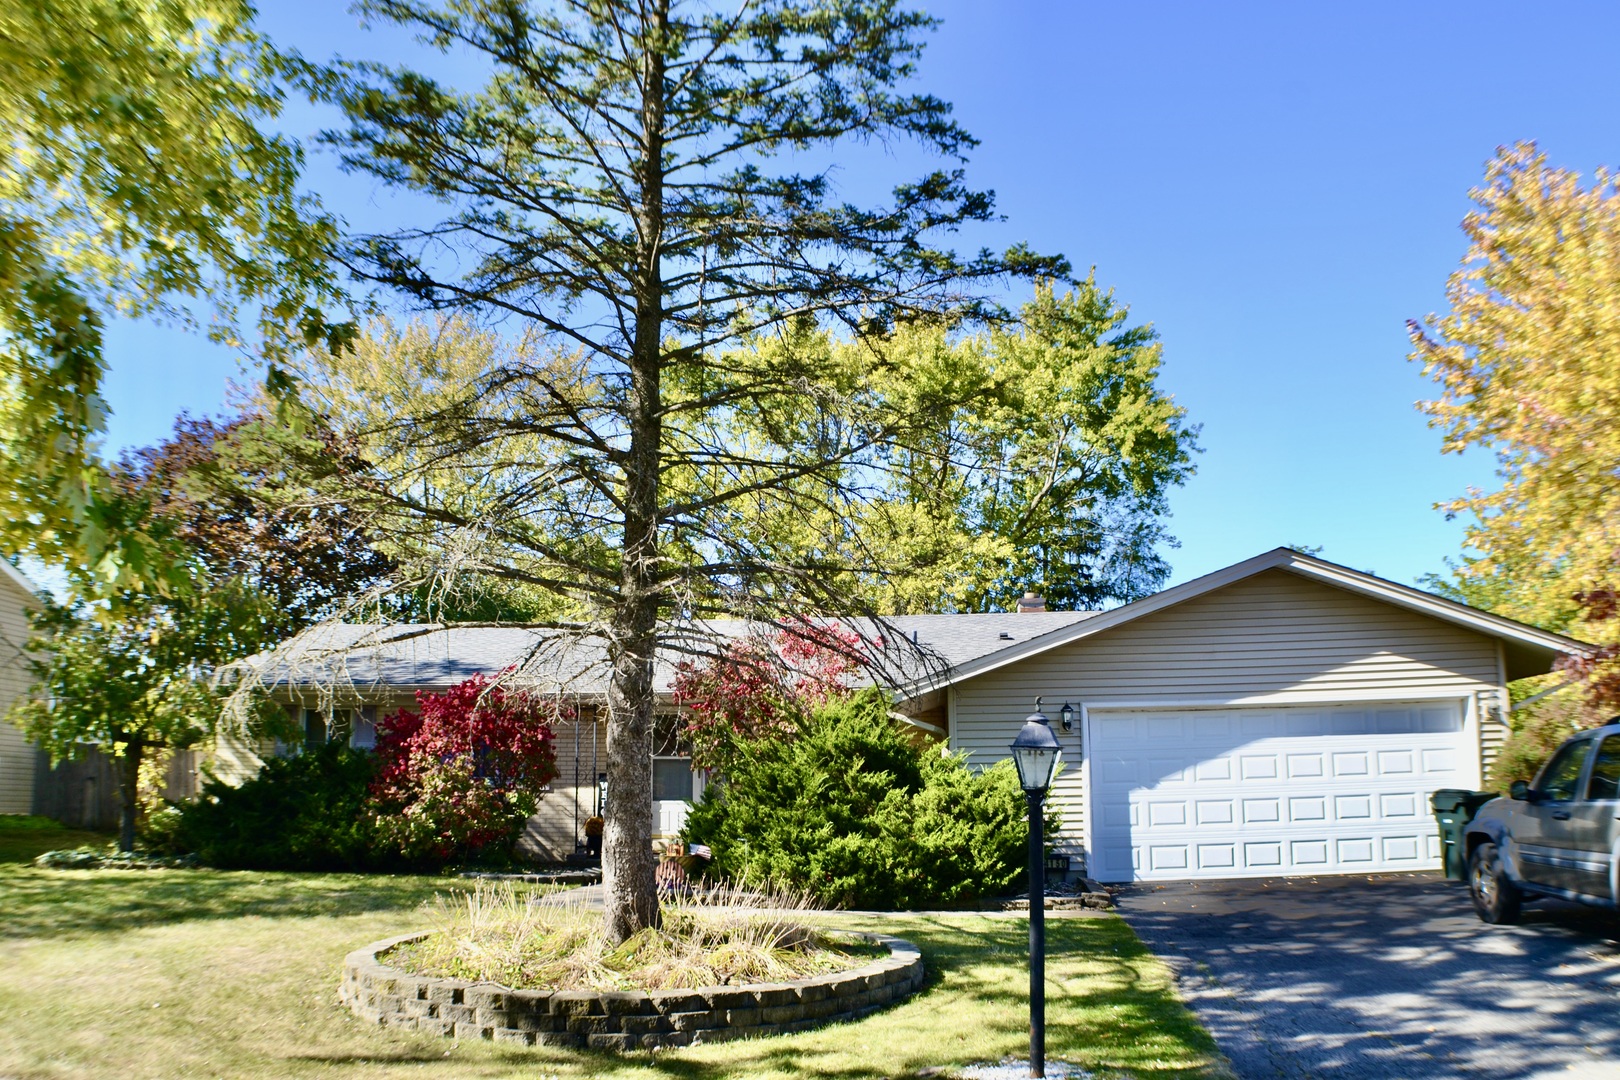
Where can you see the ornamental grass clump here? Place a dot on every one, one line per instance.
(730, 935)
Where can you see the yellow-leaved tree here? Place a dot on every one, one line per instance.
(140, 178)
(1528, 362)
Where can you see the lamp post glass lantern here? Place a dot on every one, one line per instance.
(1036, 753)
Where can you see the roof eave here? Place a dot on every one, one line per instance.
(1530, 649)
(1527, 645)
(15, 576)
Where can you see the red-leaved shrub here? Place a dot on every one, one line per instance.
(457, 778)
(757, 690)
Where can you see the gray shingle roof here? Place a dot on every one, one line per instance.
(408, 656)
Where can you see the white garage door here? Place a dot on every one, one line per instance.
(1210, 793)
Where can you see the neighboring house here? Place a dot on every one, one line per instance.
(17, 757)
(1282, 716)
(82, 791)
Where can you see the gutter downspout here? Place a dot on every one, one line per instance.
(1533, 698)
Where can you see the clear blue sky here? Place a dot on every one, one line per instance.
(1275, 186)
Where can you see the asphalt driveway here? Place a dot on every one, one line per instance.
(1388, 977)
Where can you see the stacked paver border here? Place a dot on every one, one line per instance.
(622, 1020)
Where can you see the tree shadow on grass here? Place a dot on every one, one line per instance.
(69, 903)
(1109, 1008)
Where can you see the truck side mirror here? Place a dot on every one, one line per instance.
(1520, 790)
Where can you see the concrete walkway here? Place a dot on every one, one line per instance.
(1388, 978)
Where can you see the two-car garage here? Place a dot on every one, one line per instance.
(1282, 717)
(1250, 792)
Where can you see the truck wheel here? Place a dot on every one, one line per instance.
(1496, 898)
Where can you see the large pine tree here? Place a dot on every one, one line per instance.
(644, 182)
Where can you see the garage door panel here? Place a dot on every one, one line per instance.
(1263, 855)
(1271, 791)
(1260, 766)
(1164, 727)
(1166, 813)
(1351, 807)
(1126, 771)
(1403, 849)
(1168, 857)
(1311, 854)
(1260, 811)
(1304, 808)
(1167, 770)
(1306, 766)
(1440, 761)
(1402, 805)
(1396, 762)
(1258, 725)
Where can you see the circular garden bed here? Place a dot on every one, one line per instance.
(621, 1019)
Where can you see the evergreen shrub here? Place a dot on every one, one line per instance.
(307, 812)
(852, 812)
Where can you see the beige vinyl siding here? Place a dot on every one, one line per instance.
(236, 759)
(1274, 634)
(1491, 738)
(551, 832)
(17, 762)
(17, 756)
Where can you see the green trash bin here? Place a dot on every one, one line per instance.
(1454, 808)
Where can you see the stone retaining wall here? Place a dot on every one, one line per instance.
(632, 1020)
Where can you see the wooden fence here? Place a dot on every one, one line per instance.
(84, 793)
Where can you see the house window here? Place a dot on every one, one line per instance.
(341, 726)
(672, 779)
(356, 727)
(315, 728)
(364, 735)
(669, 736)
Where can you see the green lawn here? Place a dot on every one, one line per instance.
(23, 837)
(134, 974)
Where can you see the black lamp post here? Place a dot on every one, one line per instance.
(1036, 753)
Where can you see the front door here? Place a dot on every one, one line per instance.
(1544, 832)
(676, 785)
(675, 788)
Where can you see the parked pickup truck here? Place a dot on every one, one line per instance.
(1557, 836)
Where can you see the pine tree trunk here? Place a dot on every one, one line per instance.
(628, 865)
(631, 899)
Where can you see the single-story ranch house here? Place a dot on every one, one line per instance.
(1284, 715)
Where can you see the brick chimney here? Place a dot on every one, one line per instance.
(1031, 602)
